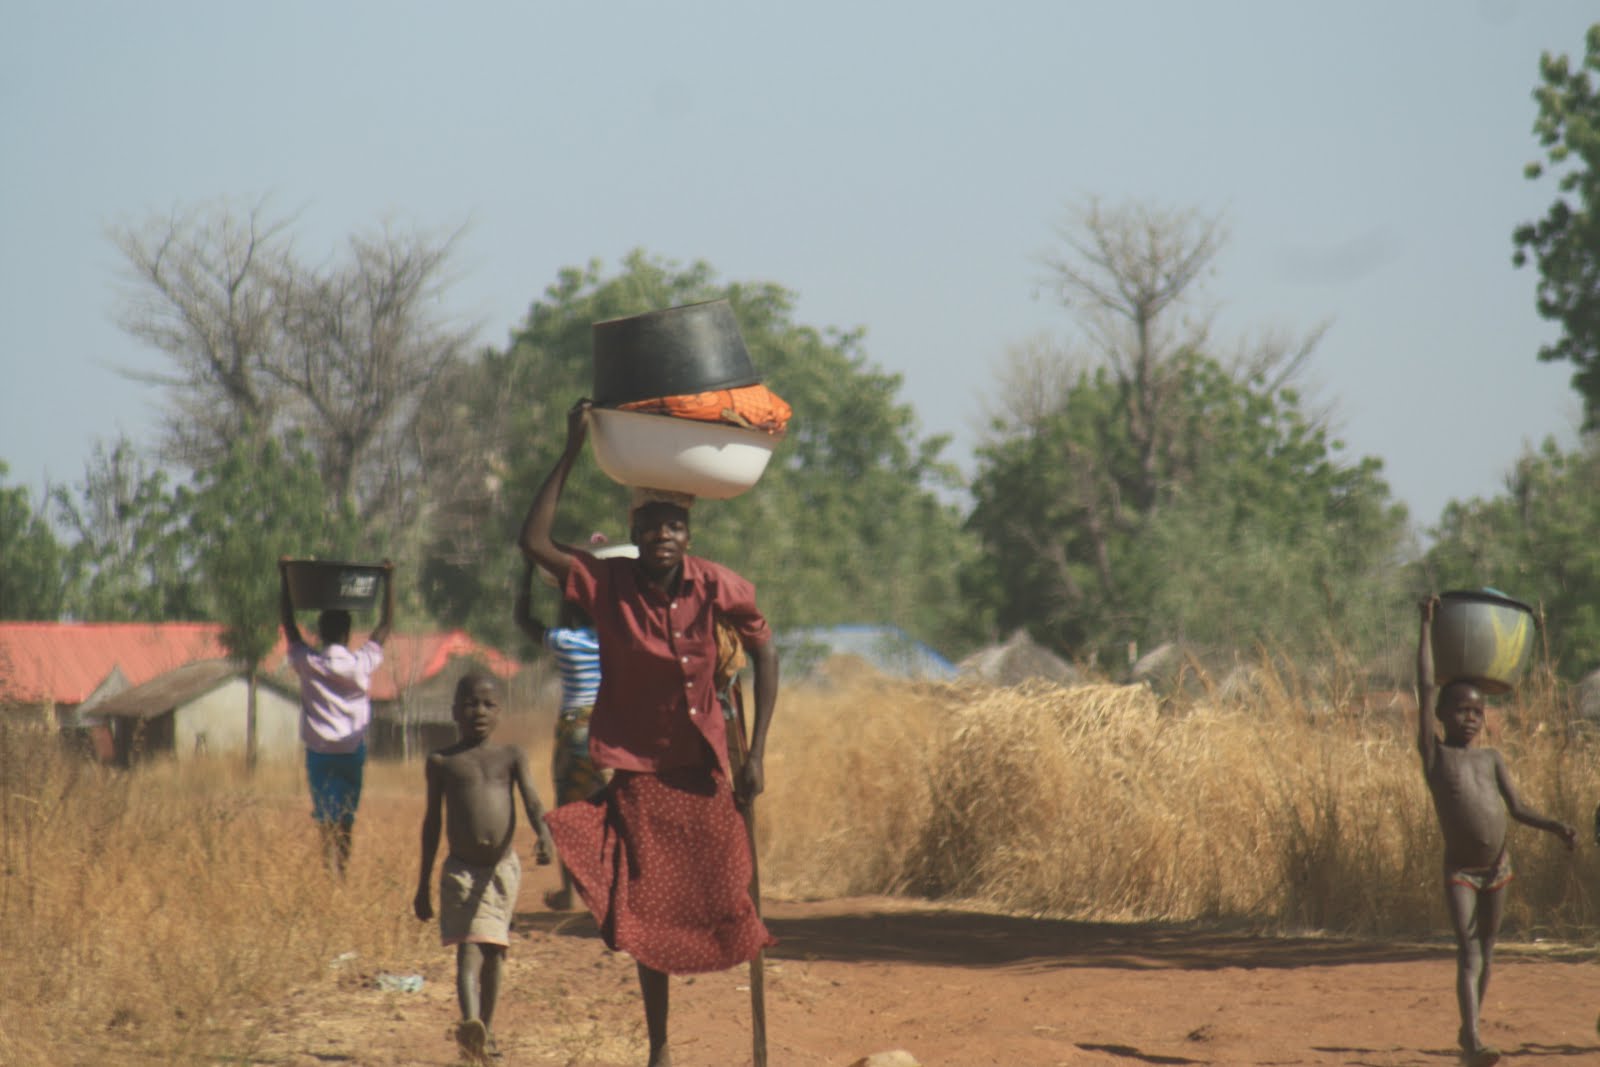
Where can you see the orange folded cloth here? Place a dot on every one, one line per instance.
(755, 407)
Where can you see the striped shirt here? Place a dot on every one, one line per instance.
(577, 654)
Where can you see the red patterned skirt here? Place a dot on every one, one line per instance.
(663, 862)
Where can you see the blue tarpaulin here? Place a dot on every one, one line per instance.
(888, 649)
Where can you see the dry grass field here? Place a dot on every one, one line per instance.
(179, 914)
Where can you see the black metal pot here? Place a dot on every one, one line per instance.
(695, 348)
(319, 584)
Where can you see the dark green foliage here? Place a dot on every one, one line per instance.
(846, 525)
(1538, 543)
(262, 501)
(1256, 533)
(128, 560)
(1565, 244)
(31, 560)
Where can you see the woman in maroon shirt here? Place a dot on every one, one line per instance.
(661, 856)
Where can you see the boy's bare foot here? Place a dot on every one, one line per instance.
(558, 900)
(1482, 1056)
(663, 1058)
(472, 1038)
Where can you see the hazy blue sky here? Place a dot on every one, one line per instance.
(899, 166)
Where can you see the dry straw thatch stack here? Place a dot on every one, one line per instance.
(1281, 804)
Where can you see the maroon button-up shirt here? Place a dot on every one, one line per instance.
(657, 709)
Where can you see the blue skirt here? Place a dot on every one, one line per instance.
(335, 779)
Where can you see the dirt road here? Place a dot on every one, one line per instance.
(958, 988)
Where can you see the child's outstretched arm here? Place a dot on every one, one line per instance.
(1526, 815)
(543, 852)
(1427, 692)
(432, 819)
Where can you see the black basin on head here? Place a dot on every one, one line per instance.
(695, 348)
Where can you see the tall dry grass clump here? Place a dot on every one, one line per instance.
(147, 916)
(1283, 801)
(850, 782)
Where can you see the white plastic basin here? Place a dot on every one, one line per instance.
(706, 459)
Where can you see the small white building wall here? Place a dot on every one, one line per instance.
(219, 718)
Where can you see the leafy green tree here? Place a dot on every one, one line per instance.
(1256, 533)
(1565, 243)
(1275, 538)
(31, 559)
(848, 524)
(1149, 491)
(1535, 542)
(262, 501)
(127, 560)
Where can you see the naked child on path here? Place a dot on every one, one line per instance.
(1472, 795)
(472, 790)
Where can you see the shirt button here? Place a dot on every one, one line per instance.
(684, 659)
(694, 711)
(677, 633)
(688, 685)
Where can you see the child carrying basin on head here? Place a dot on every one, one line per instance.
(1472, 796)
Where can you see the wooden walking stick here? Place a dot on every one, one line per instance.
(739, 751)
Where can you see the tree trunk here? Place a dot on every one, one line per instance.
(250, 721)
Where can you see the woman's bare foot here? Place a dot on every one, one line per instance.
(472, 1037)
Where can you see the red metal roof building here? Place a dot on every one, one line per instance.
(52, 668)
(61, 664)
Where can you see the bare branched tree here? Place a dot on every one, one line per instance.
(1102, 439)
(343, 354)
(361, 346)
(1126, 272)
(203, 291)
(1032, 384)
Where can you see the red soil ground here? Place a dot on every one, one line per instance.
(958, 987)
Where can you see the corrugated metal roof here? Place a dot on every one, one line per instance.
(167, 691)
(65, 662)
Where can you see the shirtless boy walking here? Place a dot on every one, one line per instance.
(470, 791)
(1472, 795)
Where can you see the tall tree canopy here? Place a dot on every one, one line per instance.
(1537, 543)
(128, 558)
(260, 502)
(30, 558)
(1150, 491)
(1565, 244)
(847, 525)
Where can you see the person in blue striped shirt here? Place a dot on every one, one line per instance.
(576, 649)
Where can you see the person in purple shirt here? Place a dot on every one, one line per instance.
(335, 712)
